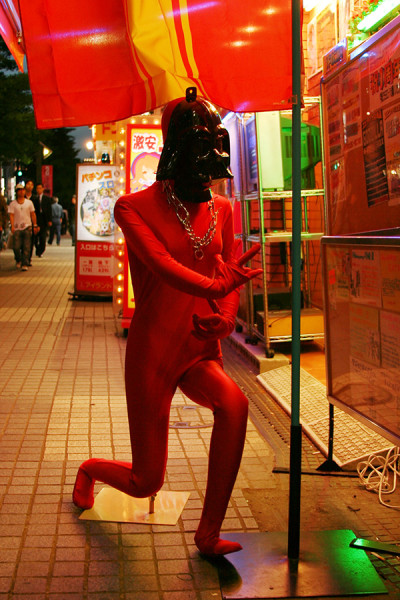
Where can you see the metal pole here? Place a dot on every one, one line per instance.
(295, 432)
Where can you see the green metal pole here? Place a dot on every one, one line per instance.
(295, 432)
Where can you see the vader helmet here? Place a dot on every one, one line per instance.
(196, 144)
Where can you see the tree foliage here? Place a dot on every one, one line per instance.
(20, 139)
(64, 159)
(18, 134)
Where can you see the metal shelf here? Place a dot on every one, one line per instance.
(266, 199)
(283, 236)
(281, 195)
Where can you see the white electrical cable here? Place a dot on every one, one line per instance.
(379, 473)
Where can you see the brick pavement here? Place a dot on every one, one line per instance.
(62, 400)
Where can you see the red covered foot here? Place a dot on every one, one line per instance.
(82, 495)
(214, 546)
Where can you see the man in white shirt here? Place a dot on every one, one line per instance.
(22, 217)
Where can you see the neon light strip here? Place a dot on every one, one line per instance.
(378, 14)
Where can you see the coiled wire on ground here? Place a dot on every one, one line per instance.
(379, 474)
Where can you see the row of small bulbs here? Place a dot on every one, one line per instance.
(120, 276)
(120, 242)
(119, 287)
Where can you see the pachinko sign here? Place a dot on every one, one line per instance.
(97, 192)
(98, 187)
(143, 153)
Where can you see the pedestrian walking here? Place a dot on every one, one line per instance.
(22, 218)
(43, 212)
(57, 214)
(29, 195)
(3, 222)
(72, 218)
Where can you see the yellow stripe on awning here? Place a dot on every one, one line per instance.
(152, 25)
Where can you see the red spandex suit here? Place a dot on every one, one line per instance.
(185, 279)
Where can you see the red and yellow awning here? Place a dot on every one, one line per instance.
(10, 31)
(96, 61)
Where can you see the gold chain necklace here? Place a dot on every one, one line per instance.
(183, 216)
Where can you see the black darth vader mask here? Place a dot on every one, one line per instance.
(196, 147)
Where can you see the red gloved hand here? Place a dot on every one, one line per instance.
(211, 327)
(231, 275)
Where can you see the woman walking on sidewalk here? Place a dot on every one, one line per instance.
(185, 277)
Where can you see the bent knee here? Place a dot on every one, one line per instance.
(241, 402)
(146, 486)
(234, 401)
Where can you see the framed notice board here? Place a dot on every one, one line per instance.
(362, 322)
(361, 118)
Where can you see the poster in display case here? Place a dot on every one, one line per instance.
(97, 192)
(251, 154)
(362, 312)
(361, 117)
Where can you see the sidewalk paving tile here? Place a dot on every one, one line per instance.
(62, 400)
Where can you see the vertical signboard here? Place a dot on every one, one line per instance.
(144, 146)
(47, 178)
(143, 153)
(97, 193)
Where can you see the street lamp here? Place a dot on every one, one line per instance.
(46, 151)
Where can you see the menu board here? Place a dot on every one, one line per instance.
(362, 305)
(361, 116)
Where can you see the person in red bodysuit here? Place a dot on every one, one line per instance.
(185, 278)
